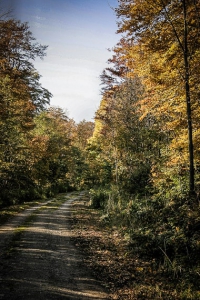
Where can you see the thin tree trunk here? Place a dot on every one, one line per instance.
(188, 102)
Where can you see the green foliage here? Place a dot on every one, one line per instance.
(164, 232)
(98, 198)
(21, 98)
(41, 150)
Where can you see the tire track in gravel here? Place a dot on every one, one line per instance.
(6, 230)
(46, 265)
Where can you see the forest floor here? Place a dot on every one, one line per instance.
(108, 254)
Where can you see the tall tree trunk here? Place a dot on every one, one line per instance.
(188, 102)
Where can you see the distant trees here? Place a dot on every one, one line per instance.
(21, 98)
(40, 147)
(123, 136)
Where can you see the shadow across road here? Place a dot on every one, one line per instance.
(45, 264)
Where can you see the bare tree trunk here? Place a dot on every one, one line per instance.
(188, 102)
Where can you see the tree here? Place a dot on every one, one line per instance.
(21, 98)
(125, 139)
(51, 155)
(84, 130)
(164, 38)
(114, 75)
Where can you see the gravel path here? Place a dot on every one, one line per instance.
(45, 264)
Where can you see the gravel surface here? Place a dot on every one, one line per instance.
(40, 260)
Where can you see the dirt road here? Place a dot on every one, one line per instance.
(38, 260)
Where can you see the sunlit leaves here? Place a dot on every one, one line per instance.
(163, 50)
(21, 97)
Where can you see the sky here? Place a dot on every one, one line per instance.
(78, 34)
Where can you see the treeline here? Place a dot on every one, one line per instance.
(145, 146)
(41, 149)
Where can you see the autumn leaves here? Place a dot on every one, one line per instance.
(160, 46)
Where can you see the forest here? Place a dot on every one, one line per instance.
(140, 158)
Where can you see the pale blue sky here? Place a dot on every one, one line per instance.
(78, 33)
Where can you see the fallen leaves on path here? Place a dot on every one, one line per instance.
(107, 254)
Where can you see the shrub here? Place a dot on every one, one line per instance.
(98, 198)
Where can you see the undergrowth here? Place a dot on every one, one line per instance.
(166, 233)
